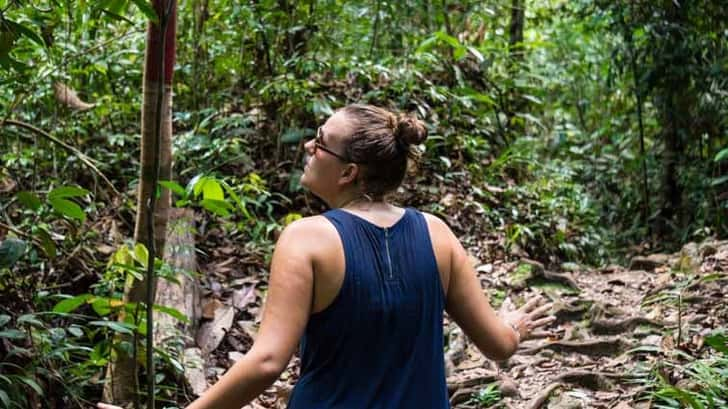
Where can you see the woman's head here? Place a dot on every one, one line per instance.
(361, 148)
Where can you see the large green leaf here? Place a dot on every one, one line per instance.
(67, 208)
(211, 190)
(70, 304)
(219, 207)
(66, 192)
(11, 249)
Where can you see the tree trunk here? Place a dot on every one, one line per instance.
(515, 51)
(122, 382)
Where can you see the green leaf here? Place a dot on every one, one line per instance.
(29, 319)
(4, 319)
(211, 190)
(11, 249)
(68, 208)
(12, 334)
(448, 39)
(101, 306)
(141, 254)
(120, 327)
(219, 207)
(65, 192)
(172, 312)
(174, 187)
(46, 242)
(718, 341)
(21, 29)
(723, 154)
(719, 181)
(29, 200)
(148, 10)
(75, 331)
(427, 44)
(194, 186)
(4, 398)
(32, 384)
(70, 304)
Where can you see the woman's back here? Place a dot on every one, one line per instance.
(379, 343)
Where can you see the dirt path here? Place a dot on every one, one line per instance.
(612, 326)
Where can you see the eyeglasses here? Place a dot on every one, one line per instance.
(318, 143)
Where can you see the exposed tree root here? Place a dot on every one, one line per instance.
(539, 400)
(589, 379)
(459, 382)
(563, 278)
(620, 326)
(570, 312)
(597, 347)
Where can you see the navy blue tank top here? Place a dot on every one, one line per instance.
(380, 342)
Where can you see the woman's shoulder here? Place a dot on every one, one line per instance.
(317, 227)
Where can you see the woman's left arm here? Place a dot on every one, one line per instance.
(286, 312)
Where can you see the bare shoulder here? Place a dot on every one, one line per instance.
(308, 232)
(437, 225)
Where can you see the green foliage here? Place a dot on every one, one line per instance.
(545, 129)
(705, 380)
(487, 396)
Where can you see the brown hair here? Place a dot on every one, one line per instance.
(381, 142)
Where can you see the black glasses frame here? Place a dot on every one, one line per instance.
(318, 143)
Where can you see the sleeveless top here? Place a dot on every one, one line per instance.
(380, 342)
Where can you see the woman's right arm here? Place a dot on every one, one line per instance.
(469, 307)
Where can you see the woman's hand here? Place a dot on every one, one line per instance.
(528, 318)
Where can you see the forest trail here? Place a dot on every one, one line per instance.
(613, 327)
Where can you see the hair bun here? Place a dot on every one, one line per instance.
(410, 130)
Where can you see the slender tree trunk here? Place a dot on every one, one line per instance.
(200, 16)
(375, 29)
(677, 108)
(516, 54)
(122, 377)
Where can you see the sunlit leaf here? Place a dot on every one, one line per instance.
(65, 192)
(71, 304)
(67, 208)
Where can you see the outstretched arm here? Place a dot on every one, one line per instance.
(497, 337)
(285, 315)
(286, 312)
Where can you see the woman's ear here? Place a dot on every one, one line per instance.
(349, 174)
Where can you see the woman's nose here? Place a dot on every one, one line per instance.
(309, 146)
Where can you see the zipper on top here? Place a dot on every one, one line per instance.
(386, 246)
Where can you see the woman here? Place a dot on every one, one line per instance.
(363, 287)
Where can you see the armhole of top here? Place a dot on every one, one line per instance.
(428, 238)
(331, 217)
